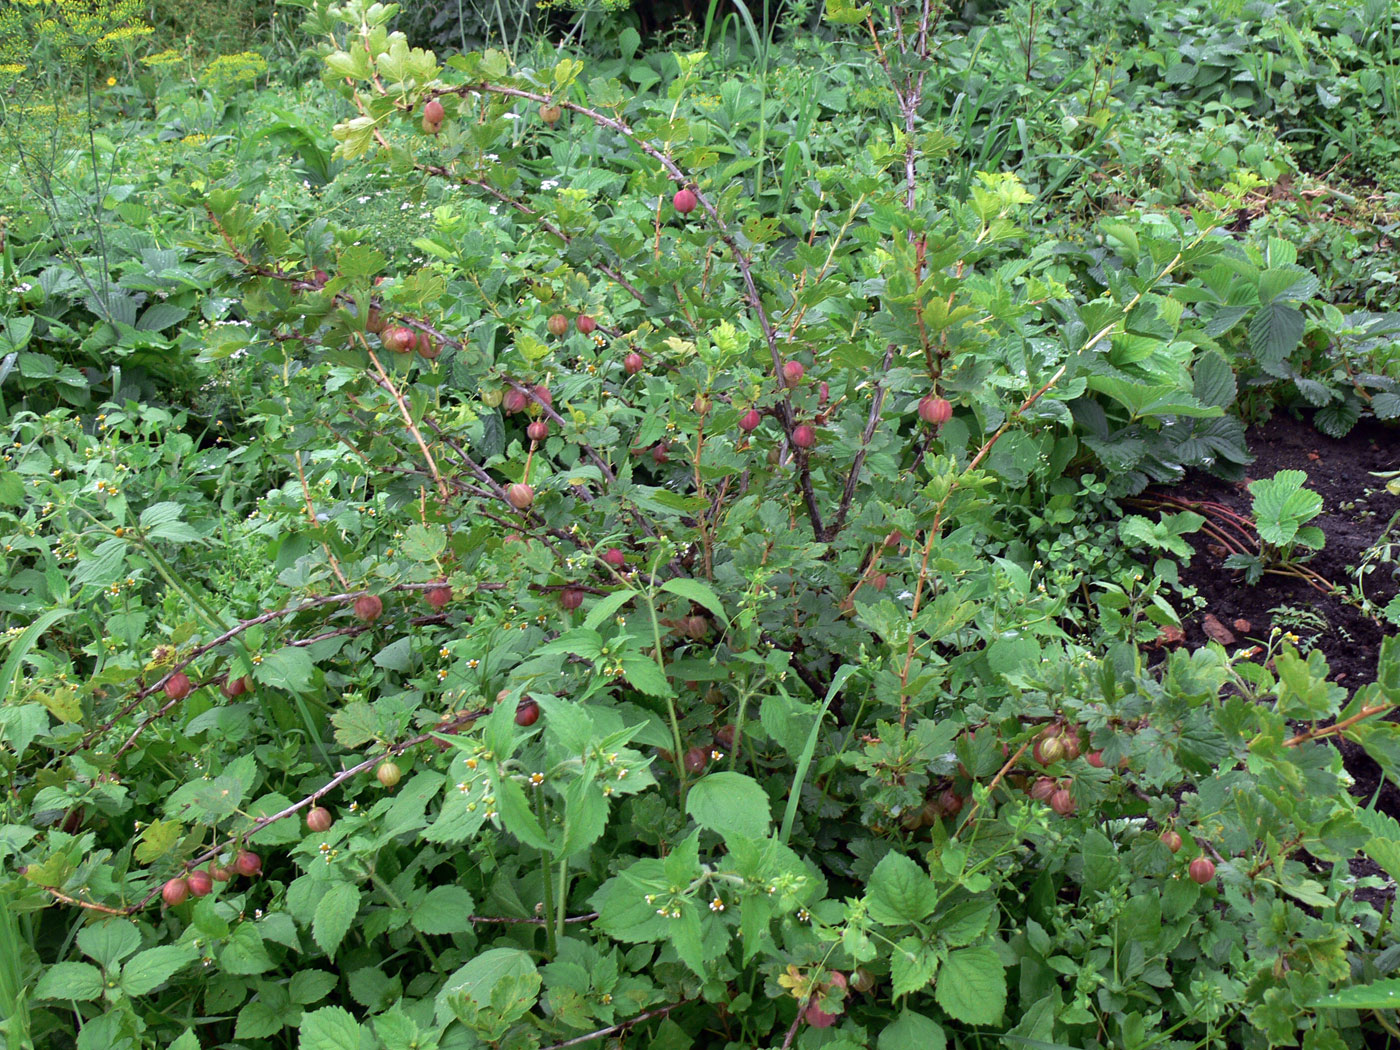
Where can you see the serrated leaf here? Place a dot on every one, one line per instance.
(335, 914)
(730, 803)
(446, 909)
(329, 1028)
(912, 1031)
(698, 592)
(148, 970)
(912, 966)
(972, 986)
(899, 891)
(70, 980)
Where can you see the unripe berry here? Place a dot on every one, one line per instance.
(247, 863)
(1172, 840)
(433, 111)
(793, 371)
(1201, 870)
(935, 410)
(633, 363)
(369, 607)
(178, 686)
(614, 557)
(557, 324)
(438, 596)
(585, 324)
(520, 495)
(1049, 749)
(319, 819)
(200, 883)
(684, 201)
(175, 891)
(527, 714)
(804, 436)
(388, 774)
(492, 397)
(863, 980)
(750, 420)
(538, 430)
(571, 598)
(550, 113)
(514, 400)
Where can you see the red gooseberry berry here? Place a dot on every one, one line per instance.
(514, 400)
(633, 363)
(585, 324)
(200, 882)
(935, 410)
(388, 774)
(614, 557)
(175, 891)
(685, 200)
(369, 607)
(247, 863)
(178, 686)
(439, 595)
(319, 819)
(1171, 840)
(793, 371)
(520, 495)
(750, 420)
(696, 759)
(433, 111)
(527, 713)
(557, 324)
(1201, 870)
(571, 598)
(804, 436)
(538, 430)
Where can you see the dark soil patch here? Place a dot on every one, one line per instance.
(1356, 511)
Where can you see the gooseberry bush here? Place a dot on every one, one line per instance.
(653, 615)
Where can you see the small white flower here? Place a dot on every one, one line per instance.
(492, 156)
(549, 184)
(513, 116)
(905, 595)
(495, 209)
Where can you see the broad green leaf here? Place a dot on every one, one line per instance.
(730, 803)
(698, 592)
(446, 909)
(912, 966)
(70, 980)
(972, 986)
(335, 914)
(109, 940)
(329, 1028)
(899, 891)
(147, 970)
(912, 1031)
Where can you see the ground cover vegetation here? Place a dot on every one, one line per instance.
(713, 538)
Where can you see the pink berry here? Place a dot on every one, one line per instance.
(684, 201)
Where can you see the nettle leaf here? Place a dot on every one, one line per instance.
(912, 965)
(330, 1028)
(148, 970)
(730, 803)
(108, 941)
(446, 909)
(972, 986)
(899, 891)
(335, 914)
(70, 980)
(912, 1031)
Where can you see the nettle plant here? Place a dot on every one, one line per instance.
(638, 620)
